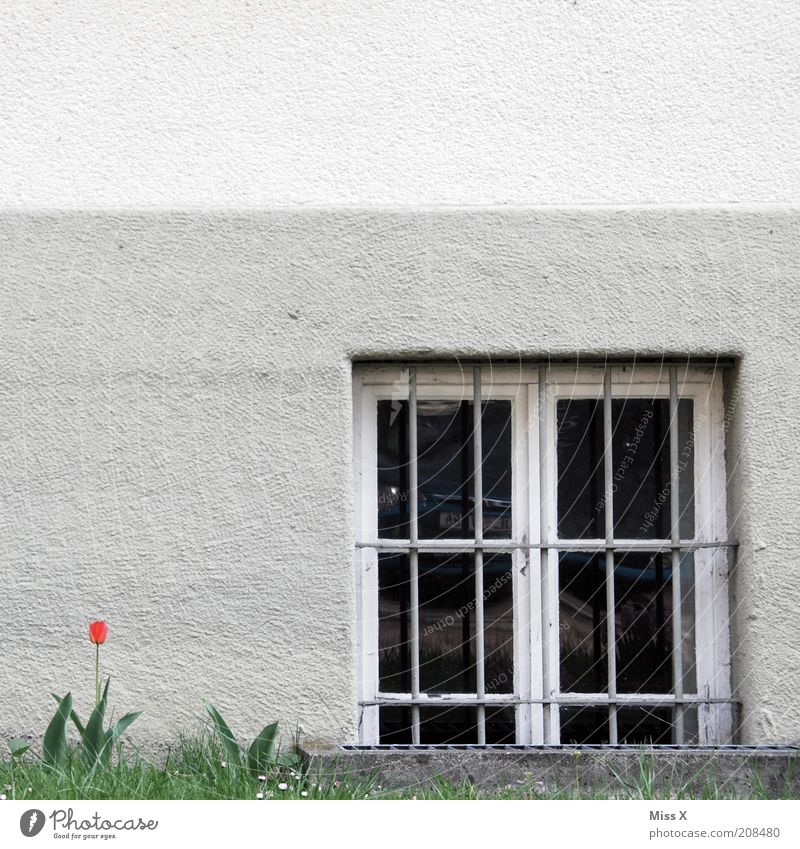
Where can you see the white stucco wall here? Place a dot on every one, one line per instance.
(247, 195)
(200, 103)
(176, 431)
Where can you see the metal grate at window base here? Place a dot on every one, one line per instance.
(577, 747)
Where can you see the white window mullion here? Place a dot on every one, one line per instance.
(532, 559)
(366, 563)
(716, 720)
(369, 719)
(549, 559)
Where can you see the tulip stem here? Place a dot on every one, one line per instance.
(97, 674)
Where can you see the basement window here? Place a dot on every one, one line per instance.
(541, 555)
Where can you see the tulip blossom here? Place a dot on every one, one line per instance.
(98, 631)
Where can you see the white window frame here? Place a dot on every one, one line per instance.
(534, 391)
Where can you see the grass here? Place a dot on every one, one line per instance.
(196, 769)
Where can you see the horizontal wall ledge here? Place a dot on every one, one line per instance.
(576, 771)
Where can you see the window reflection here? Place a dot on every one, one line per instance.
(445, 469)
(641, 475)
(446, 623)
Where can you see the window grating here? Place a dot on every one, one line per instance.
(544, 747)
(678, 706)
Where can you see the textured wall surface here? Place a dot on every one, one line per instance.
(200, 103)
(175, 437)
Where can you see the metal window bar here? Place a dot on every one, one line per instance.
(611, 646)
(571, 699)
(477, 447)
(413, 554)
(590, 546)
(548, 720)
(675, 538)
(652, 546)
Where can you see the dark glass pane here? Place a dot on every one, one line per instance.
(688, 623)
(394, 654)
(640, 447)
(583, 725)
(394, 724)
(496, 437)
(447, 623)
(643, 593)
(454, 725)
(635, 725)
(501, 725)
(643, 622)
(581, 513)
(641, 725)
(686, 467)
(498, 618)
(393, 469)
(691, 730)
(445, 469)
(640, 466)
(582, 622)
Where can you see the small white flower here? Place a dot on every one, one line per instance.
(413, 798)
(2, 797)
(259, 795)
(303, 793)
(262, 777)
(283, 786)
(223, 764)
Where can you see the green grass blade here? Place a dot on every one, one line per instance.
(232, 750)
(54, 746)
(262, 749)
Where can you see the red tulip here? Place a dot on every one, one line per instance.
(98, 631)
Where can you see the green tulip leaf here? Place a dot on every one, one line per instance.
(72, 715)
(94, 738)
(262, 749)
(231, 747)
(17, 747)
(54, 745)
(291, 761)
(121, 726)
